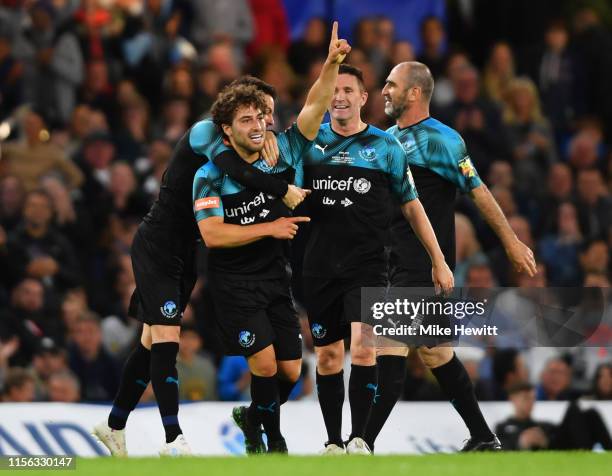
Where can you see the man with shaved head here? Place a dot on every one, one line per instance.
(440, 165)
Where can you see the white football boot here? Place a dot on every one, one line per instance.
(114, 440)
(357, 446)
(333, 450)
(179, 447)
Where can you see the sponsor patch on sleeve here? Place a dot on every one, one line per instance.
(206, 202)
(467, 167)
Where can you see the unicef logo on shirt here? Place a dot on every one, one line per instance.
(318, 331)
(368, 153)
(362, 185)
(169, 309)
(246, 338)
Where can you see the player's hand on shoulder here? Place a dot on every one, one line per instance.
(295, 196)
(270, 152)
(442, 277)
(286, 228)
(521, 257)
(338, 48)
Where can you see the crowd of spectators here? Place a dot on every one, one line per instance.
(94, 94)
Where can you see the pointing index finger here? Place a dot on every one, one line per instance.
(334, 33)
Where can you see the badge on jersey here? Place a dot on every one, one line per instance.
(368, 153)
(467, 167)
(207, 202)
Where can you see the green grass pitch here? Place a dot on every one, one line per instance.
(483, 464)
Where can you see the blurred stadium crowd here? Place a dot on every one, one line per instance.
(95, 93)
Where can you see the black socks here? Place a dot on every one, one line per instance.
(363, 392)
(284, 389)
(457, 386)
(330, 390)
(134, 380)
(265, 406)
(164, 378)
(391, 377)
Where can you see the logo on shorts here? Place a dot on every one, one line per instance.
(246, 338)
(362, 185)
(318, 331)
(368, 153)
(169, 309)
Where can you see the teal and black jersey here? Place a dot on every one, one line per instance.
(171, 216)
(353, 181)
(440, 165)
(215, 194)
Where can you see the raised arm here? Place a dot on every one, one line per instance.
(518, 253)
(322, 91)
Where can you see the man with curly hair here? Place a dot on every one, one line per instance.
(246, 231)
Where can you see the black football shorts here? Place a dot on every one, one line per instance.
(332, 304)
(164, 281)
(252, 314)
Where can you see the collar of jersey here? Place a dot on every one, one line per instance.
(413, 125)
(367, 127)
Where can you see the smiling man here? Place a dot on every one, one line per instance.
(354, 170)
(246, 231)
(441, 166)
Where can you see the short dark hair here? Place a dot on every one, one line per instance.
(353, 71)
(233, 97)
(16, 377)
(248, 80)
(520, 387)
(556, 24)
(586, 245)
(504, 362)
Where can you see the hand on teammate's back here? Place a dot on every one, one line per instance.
(286, 228)
(295, 196)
